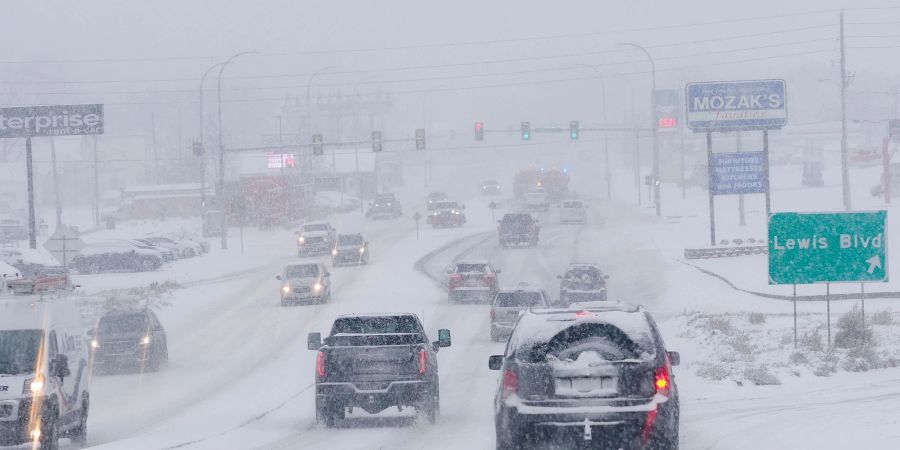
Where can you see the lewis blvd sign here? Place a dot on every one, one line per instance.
(807, 248)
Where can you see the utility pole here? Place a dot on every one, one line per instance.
(57, 199)
(96, 184)
(845, 175)
(741, 211)
(155, 150)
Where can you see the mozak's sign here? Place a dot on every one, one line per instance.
(736, 105)
(56, 120)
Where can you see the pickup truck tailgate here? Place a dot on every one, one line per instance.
(373, 358)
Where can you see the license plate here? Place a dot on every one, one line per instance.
(586, 385)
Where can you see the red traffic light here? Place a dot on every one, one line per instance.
(667, 122)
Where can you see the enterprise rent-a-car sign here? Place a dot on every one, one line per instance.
(57, 120)
(736, 105)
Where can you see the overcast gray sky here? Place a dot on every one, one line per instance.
(140, 56)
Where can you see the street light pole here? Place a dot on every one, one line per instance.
(605, 131)
(203, 156)
(221, 184)
(653, 127)
(845, 173)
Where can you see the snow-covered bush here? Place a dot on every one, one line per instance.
(757, 318)
(715, 372)
(853, 332)
(883, 317)
(760, 376)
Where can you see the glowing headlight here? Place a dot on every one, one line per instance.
(36, 384)
(317, 287)
(94, 343)
(334, 252)
(301, 239)
(145, 340)
(362, 249)
(286, 288)
(36, 434)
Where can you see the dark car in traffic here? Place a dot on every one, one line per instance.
(129, 340)
(374, 362)
(517, 229)
(385, 206)
(594, 375)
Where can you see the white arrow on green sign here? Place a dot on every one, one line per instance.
(806, 248)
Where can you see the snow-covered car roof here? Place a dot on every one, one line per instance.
(473, 261)
(27, 256)
(316, 224)
(583, 265)
(376, 314)
(543, 324)
(521, 288)
(8, 271)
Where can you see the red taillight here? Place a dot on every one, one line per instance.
(320, 364)
(422, 359)
(510, 383)
(661, 380)
(493, 314)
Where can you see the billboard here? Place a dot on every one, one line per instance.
(736, 105)
(57, 120)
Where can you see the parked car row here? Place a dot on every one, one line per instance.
(135, 255)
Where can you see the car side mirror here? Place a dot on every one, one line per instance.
(443, 338)
(278, 277)
(60, 366)
(314, 341)
(450, 271)
(495, 362)
(674, 358)
(498, 271)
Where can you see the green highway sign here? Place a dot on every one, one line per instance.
(807, 248)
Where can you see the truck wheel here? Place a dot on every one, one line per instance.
(78, 435)
(49, 439)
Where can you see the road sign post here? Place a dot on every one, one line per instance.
(737, 106)
(47, 121)
(808, 248)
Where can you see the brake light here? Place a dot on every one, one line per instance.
(510, 383)
(661, 380)
(320, 364)
(422, 359)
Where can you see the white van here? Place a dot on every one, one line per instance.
(573, 211)
(44, 373)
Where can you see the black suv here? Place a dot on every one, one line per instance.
(598, 376)
(129, 339)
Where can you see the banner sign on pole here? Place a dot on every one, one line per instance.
(738, 173)
(736, 105)
(280, 161)
(57, 120)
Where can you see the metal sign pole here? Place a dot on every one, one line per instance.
(768, 181)
(828, 310)
(795, 316)
(712, 201)
(862, 293)
(32, 225)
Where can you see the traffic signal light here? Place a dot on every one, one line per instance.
(420, 139)
(376, 141)
(526, 131)
(574, 128)
(317, 145)
(479, 131)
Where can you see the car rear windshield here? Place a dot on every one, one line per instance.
(571, 204)
(316, 227)
(471, 268)
(518, 300)
(123, 323)
(611, 342)
(350, 239)
(376, 325)
(18, 351)
(446, 205)
(517, 218)
(302, 271)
